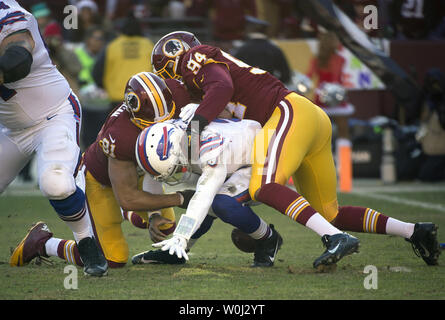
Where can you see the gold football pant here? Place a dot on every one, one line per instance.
(106, 219)
(296, 142)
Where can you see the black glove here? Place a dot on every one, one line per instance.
(187, 194)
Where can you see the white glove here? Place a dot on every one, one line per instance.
(175, 245)
(188, 111)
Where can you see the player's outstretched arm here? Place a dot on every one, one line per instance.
(210, 182)
(16, 56)
(124, 181)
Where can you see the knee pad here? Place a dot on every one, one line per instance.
(57, 183)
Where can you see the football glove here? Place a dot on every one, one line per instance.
(188, 111)
(175, 246)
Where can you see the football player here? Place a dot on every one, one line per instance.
(295, 141)
(223, 166)
(109, 177)
(41, 117)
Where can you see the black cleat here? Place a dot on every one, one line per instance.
(94, 262)
(266, 250)
(337, 246)
(156, 257)
(424, 242)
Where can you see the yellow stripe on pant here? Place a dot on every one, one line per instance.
(296, 141)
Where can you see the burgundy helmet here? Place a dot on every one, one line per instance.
(167, 51)
(148, 99)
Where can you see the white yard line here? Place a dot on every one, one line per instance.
(404, 201)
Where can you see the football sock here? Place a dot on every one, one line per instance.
(135, 219)
(296, 207)
(263, 232)
(321, 226)
(361, 219)
(64, 249)
(229, 210)
(399, 228)
(73, 211)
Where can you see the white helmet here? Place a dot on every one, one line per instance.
(161, 149)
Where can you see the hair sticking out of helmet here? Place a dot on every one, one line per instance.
(160, 150)
(148, 99)
(168, 50)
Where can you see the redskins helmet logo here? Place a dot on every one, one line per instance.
(132, 101)
(173, 48)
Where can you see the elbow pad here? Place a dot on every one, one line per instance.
(15, 64)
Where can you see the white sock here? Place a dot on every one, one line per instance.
(51, 246)
(321, 226)
(81, 228)
(399, 228)
(261, 231)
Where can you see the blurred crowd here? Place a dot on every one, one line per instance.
(114, 38)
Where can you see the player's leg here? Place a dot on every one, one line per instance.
(316, 181)
(12, 160)
(422, 235)
(294, 131)
(231, 205)
(106, 220)
(58, 155)
(300, 130)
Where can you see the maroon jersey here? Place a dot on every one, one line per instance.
(117, 138)
(251, 93)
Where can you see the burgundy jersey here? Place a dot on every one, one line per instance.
(251, 93)
(117, 138)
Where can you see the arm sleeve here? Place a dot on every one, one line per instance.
(208, 185)
(218, 88)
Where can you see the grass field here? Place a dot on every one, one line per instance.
(218, 271)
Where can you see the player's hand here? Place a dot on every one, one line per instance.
(188, 111)
(187, 195)
(156, 221)
(175, 245)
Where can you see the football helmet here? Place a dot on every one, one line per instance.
(167, 51)
(161, 150)
(148, 99)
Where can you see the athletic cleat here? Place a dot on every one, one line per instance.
(94, 262)
(32, 245)
(337, 246)
(266, 250)
(424, 242)
(156, 257)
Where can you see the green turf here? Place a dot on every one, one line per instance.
(217, 270)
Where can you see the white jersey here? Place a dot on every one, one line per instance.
(228, 142)
(225, 151)
(28, 101)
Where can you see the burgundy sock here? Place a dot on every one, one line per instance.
(286, 201)
(360, 219)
